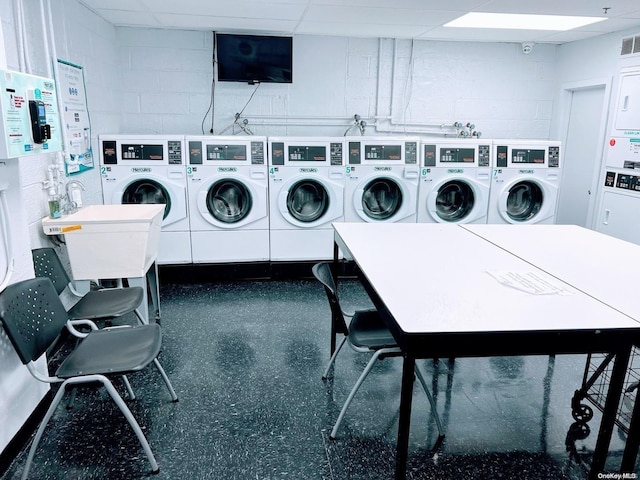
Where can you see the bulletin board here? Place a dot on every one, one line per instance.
(75, 117)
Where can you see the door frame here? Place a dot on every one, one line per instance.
(566, 100)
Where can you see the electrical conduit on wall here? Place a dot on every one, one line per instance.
(6, 252)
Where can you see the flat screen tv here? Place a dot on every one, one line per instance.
(254, 58)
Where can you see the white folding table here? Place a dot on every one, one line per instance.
(446, 291)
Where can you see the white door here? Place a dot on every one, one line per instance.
(582, 156)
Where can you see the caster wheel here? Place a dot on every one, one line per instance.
(579, 431)
(583, 413)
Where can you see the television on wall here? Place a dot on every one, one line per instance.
(254, 58)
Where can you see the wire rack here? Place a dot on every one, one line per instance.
(595, 385)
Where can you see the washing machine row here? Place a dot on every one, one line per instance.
(251, 199)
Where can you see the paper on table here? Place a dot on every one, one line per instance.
(531, 282)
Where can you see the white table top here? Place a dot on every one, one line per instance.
(600, 265)
(438, 278)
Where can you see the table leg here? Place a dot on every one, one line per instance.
(609, 413)
(404, 422)
(633, 441)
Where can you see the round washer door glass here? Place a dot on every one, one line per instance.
(307, 201)
(229, 201)
(381, 199)
(454, 201)
(147, 191)
(524, 201)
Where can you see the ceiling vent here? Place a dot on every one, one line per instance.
(630, 46)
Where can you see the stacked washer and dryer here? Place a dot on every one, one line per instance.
(228, 198)
(150, 169)
(525, 183)
(382, 179)
(306, 194)
(455, 181)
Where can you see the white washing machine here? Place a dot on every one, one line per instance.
(455, 181)
(306, 194)
(525, 181)
(382, 179)
(227, 185)
(150, 169)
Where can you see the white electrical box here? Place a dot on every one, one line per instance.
(30, 120)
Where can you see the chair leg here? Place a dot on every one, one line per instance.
(140, 317)
(434, 410)
(325, 374)
(355, 388)
(167, 382)
(131, 419)
(127, 385)
(36, 440)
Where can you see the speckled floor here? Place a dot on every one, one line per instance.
(246, 359)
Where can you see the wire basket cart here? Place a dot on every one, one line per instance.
(595, 385)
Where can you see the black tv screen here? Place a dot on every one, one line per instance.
(254, 58)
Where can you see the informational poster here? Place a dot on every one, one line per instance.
(30, 120)
(75, 117)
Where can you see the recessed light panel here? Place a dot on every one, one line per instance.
(521, 22)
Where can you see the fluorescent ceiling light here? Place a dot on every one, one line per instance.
(521, 22)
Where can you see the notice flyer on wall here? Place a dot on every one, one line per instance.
(75, 117)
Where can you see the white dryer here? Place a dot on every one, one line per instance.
(525, 181)
(306, 194)
(382, 179)
(150, 169)
(228, 198)
(455, 181)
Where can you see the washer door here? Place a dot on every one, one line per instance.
(229, 201)
(454, 201)
(152, 189)
(310, 202)
(382, 199)
(232, 203)
(386, 197)
(307, 201)
(527, 200)
(147, 190)
(457, 200)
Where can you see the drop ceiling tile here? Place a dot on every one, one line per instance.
(379, 16)
(130, 18)
(246, 9)
(359, 30)
(227, 24)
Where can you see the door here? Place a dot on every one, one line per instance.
(455, 201)
(381, 199)
(582, 156)
(229, 201)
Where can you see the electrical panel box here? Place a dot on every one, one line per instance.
(30, 120)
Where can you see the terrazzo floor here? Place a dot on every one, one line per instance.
(246, 358)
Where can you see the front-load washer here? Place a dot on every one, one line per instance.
(455, 181)
(525, 181)
(306, 194)
(150, 169)
(381, 179)
(227, 185)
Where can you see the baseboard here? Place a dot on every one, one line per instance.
(204, 273)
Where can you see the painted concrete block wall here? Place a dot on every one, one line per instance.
(86, 40)
(400, 86)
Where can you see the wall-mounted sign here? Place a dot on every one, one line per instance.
(75, 117)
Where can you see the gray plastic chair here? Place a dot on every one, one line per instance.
(104, 304)
(33, 317)
(366, 332)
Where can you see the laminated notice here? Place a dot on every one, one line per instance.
(533, 282)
